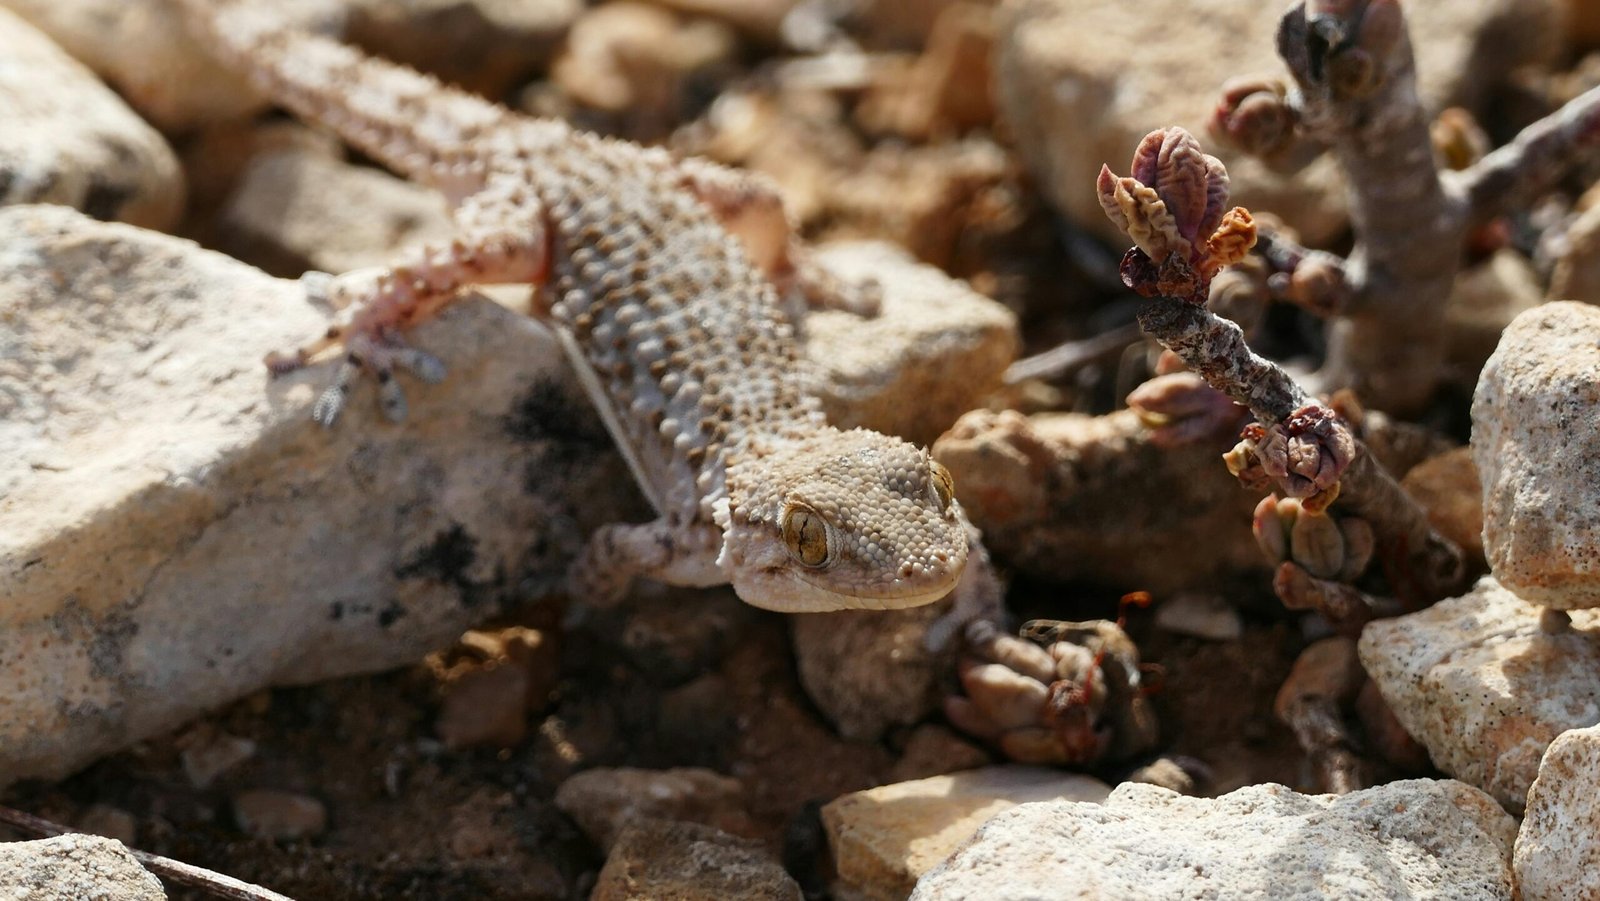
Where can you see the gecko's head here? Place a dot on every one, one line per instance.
(843, 521)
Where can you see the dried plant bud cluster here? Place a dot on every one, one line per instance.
(1255, 116)
(1302, 457)
(1173, 205)
(1326, 547)
(1070, 696)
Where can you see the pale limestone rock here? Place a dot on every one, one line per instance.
(175, 532)
(1536, 440)
(934, 351)
(74, 868)
(883, 839)
(144, 49)
(1081, 81)
(1418, 839)
(68, 139)
(661, 859)
(869, 671)
(605, 800)
(297, 209)
(1477, 682)
(1557, 855)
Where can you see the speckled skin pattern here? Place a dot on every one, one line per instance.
(668, 282)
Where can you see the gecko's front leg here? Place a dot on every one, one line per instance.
(662, 550)
(504, 244)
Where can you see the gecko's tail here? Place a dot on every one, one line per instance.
(402, 118)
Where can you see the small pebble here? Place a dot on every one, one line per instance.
(279, 815)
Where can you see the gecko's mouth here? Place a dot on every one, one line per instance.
(787, 591)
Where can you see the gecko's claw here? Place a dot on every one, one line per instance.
(380, 355)
(330, 403)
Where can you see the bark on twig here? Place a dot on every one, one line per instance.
(166, 868)
(1427, 566)
(1355, 94)
(1514, 175)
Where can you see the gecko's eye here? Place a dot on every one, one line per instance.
(806, 535)
(944, 488)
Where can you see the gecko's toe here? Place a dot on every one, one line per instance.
(425, 366)
(283, 362)
(330, 403)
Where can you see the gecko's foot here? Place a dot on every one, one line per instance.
(380, 357)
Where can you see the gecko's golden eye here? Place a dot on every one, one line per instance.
(806, 535)
(944, 488)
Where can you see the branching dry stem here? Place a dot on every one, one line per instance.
(1355, 94)
(1426, 565)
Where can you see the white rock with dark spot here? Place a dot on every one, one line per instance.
(1421, 839)
(176, 533)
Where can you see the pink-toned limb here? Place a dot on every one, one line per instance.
(751, 209)
(375, 305)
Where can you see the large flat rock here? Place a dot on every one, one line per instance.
(175, 532)
(1419, 839)
(1482, 687)
(883, 839)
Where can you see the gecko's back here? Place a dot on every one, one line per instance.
(685, 337)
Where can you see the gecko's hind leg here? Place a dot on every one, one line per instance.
(751, 209)
(374, 306)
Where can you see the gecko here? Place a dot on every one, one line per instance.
(671, 286)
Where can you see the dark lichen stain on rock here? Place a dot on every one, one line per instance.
(390, 614)
(446, 559)
(550, 411)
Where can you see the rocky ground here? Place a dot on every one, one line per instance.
(339, 664)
